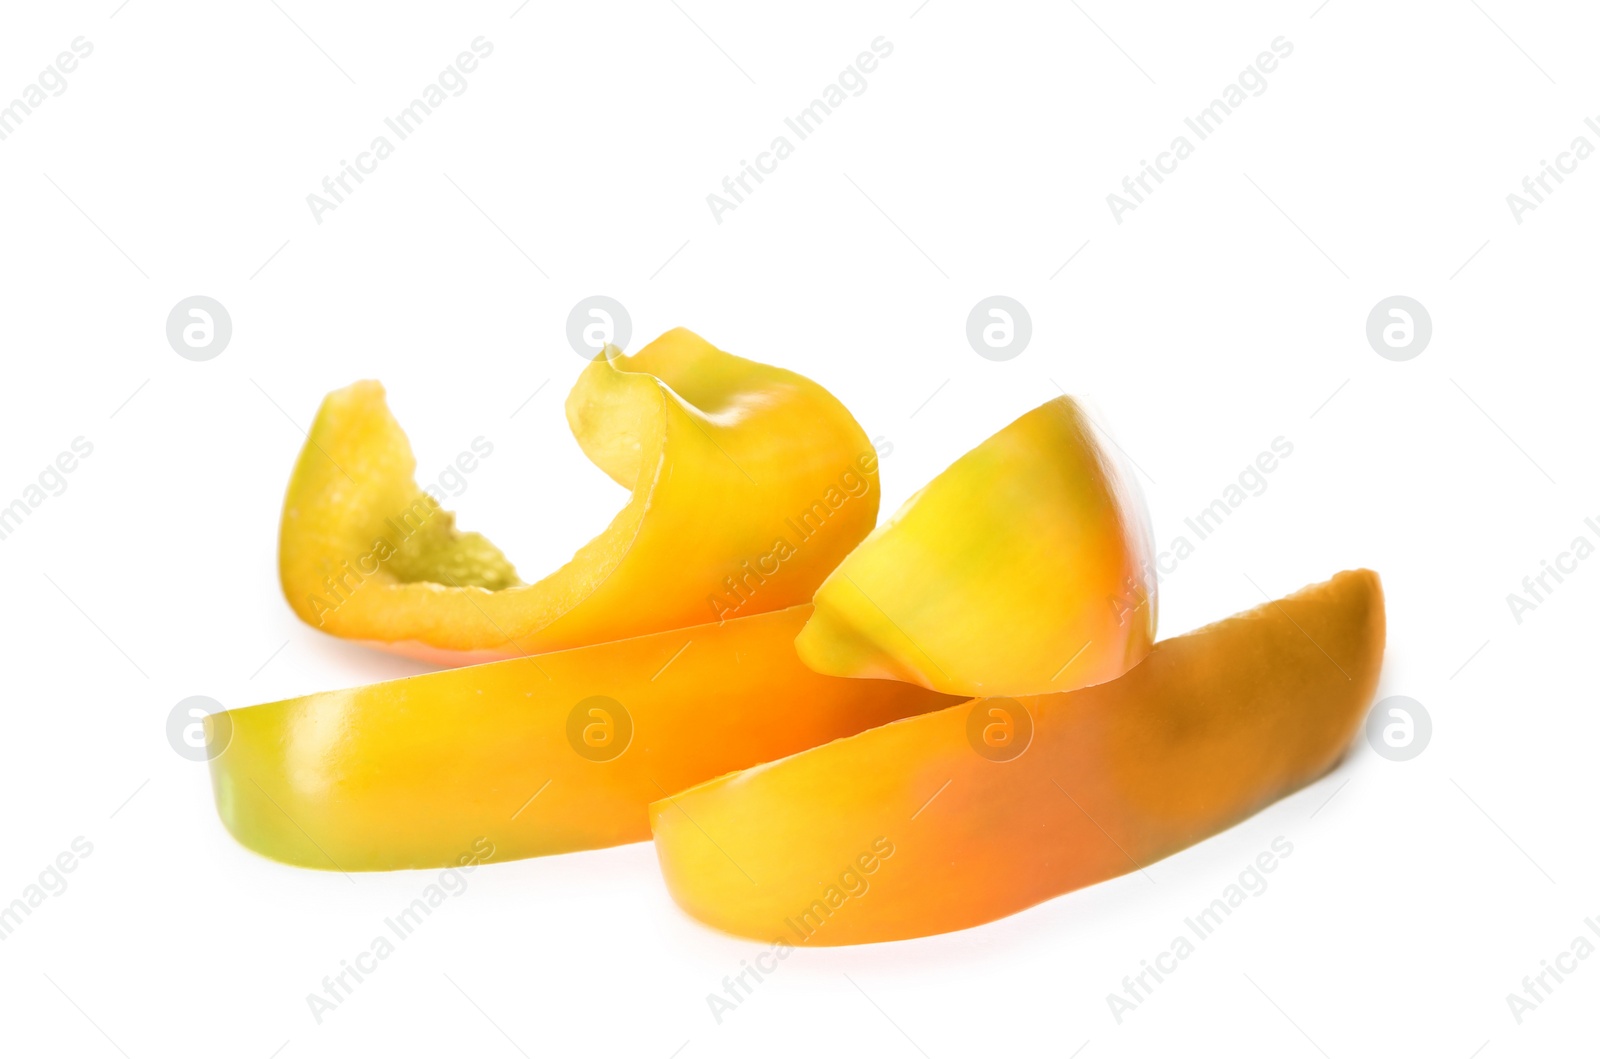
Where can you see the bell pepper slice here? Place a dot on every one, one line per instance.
(749, 484)
(1022, 568)
(975, 812)
(545, 754)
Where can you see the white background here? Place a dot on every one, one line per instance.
(1226, 311)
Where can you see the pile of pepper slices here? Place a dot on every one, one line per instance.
(835, 733)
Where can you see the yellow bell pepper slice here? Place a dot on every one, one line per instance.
(749, 484)
(959, 817)
(1023, 568)
(545, 754)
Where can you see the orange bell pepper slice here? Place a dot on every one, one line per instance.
(959, 817)
(1023, 568)
(545, 754)
(749, 484)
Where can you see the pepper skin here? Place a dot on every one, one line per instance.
(1023, 568)
(909, 829)
(537, 755)
(749, 484)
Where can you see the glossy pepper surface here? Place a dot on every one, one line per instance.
(749, 483)
(545, 754)
(1022, 568)
(971, 813)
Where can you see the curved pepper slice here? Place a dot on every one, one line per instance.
(545, 754)
(749, 484)
(960, 817)
(1023, 568)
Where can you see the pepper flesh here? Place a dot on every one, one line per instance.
(749, 484)
(1023, 568)
(417, 772)
(1210, 728)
